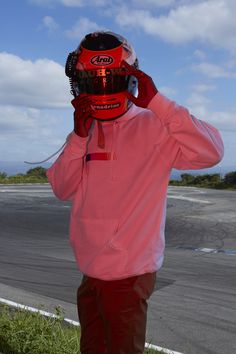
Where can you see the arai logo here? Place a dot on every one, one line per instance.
(102, 60)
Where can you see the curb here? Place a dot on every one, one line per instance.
(72, 322)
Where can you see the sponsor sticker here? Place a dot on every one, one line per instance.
(107, 106)
(100, 72)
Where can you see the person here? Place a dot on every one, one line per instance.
(115, 169)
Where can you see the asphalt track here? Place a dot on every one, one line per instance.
(193, 309)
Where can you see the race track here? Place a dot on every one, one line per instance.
(193, 309)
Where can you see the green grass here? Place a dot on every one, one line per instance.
(23, 179)
(23, 332)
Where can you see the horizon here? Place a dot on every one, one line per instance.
(15, 167)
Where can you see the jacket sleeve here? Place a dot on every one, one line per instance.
(189, 143)
(66, 172)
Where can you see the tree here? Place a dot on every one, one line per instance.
(37, 172)
(187, 178)
(230, 178)
(203, 180)
(214, 178)
(3, 175)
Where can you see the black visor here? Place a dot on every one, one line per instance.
(104, 81)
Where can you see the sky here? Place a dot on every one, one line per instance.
(187, 46)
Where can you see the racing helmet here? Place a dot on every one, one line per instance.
(95, 68)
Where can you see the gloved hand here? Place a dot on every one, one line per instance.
(146, 87)
(82, 115)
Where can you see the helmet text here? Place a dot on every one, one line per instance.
(101, 60)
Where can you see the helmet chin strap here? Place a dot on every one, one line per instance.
(101, 137)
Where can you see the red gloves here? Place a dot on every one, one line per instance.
(83, 115)
(146, 87)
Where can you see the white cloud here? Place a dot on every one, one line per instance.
(39, 84)
(153, 3)
(231, 64)
(222, 120)
(201, 107)
(31, 134)
(82, 27)
(50, 23)
(31, 127)
(43, 2)
(168, 91)
(196, 99)
(71, 3)
(201, 88)
(213, 70)
(80, 3)
(211, 21)
(199, 54)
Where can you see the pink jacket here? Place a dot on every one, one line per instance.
(119, 193)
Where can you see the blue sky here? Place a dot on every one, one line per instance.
(187, 46)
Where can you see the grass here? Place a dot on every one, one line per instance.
(24, 332)
(22, 179)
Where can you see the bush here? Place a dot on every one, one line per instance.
(207, 180)
(187, 178)
(37, 172)
(23, 332)
(3, 175)
(34, 175)
(230, 178)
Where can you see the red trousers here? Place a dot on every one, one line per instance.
(113, 314)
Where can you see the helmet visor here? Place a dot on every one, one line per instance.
(102, 81)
